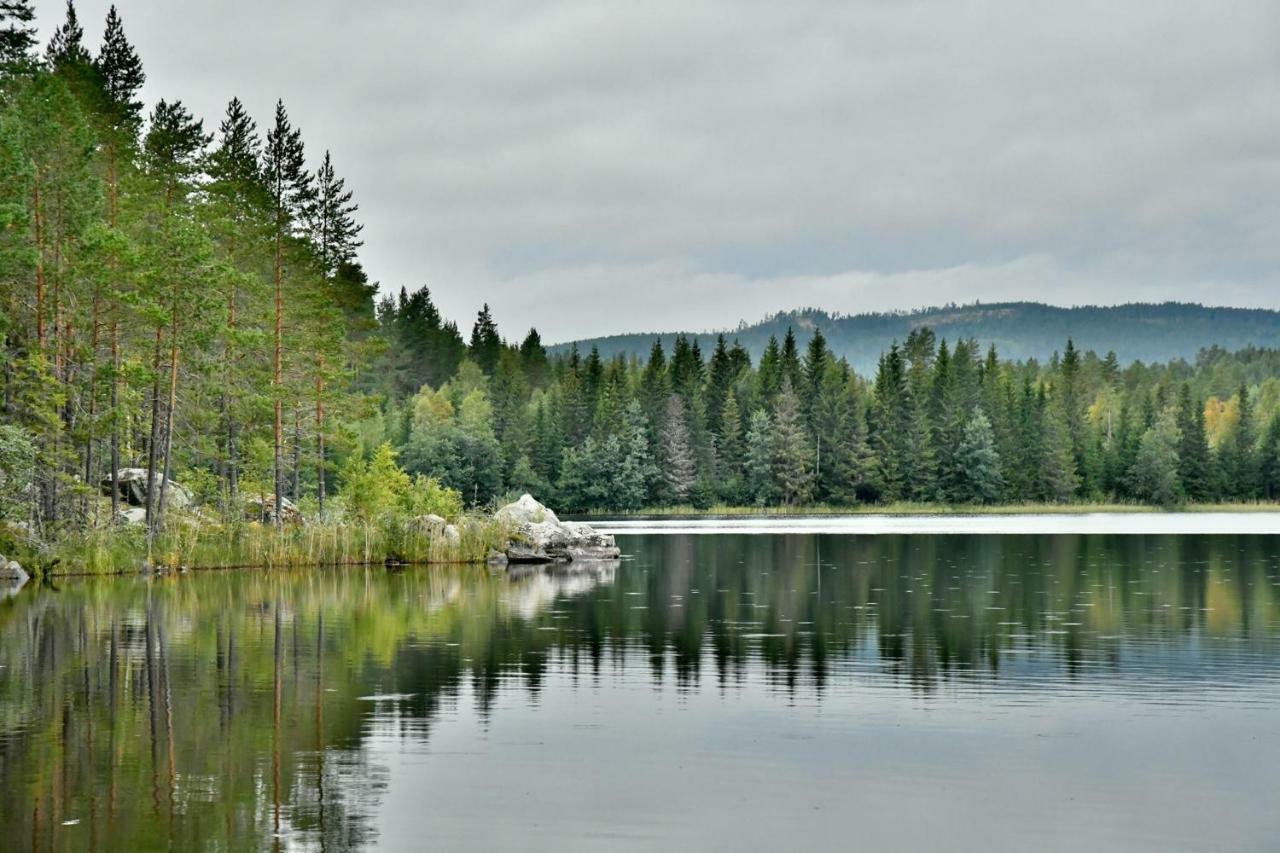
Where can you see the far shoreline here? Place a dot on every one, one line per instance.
(913, 509)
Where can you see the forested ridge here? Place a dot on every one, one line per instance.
(189, 301)
(1020, 330)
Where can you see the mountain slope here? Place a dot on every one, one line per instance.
(1019, 330)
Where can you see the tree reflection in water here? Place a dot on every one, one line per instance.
(231, 710)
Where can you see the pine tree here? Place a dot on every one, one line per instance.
(66, 48)
(978, 461)
(121, 75)
(290, 193)
(333, 230)
(173, 155)
(237, 211)
(17, 35)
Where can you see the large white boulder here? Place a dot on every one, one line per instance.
(538, 536)
(133, 488)
(12, 575)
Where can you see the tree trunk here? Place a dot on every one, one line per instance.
(228, 356)
(93, 403)
(277, 379)
(40, 277)
(168, 430)
(320, 439)
(153, 442)
(297, 454)
(112, 214)
(115, 419)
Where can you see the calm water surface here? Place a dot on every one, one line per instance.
(709, 692)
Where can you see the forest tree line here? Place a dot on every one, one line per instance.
(938, 422)
(189, 301)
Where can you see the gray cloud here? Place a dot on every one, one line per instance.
(592, 166)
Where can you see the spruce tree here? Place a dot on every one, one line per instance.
(679, 467)
(637, 471)
(760, 458)
(1193, 447)
(770, 373)
(1058, 476)
(978, 461)
(1244, 471)
(533, 359)
(732, 451)
(790, 361)
(721, 373)
(486, 346)
(792, 452)
(1155, 476)
(1269, 460)
(840, 440)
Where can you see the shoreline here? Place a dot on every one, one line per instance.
(1005, 524)
(930, 510)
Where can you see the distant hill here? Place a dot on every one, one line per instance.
(1020, 330)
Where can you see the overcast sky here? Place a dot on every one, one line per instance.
(593, 167)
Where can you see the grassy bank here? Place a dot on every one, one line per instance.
(904, 508)
(191, 545)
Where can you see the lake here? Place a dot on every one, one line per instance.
(714, 690)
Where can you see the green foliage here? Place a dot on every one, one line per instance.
(760, 458)
(17, 469)
(978, 462)
(1155, 474)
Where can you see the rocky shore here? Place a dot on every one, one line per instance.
(538, 536)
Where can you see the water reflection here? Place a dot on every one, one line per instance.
(242, 710)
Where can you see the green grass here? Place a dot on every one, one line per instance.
(193, 545)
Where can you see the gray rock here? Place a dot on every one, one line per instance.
(538, 536)
(259, 509)
(133, 515)
(12, 573)
(133, 488)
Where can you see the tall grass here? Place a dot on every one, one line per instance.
(185, 543)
